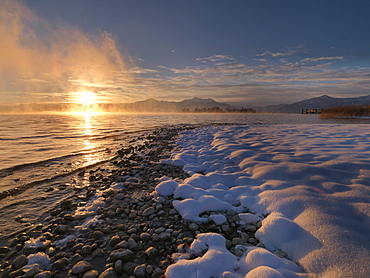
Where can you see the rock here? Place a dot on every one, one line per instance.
(121, 254)
(151, 252)
(17, 273)
(145, 237)
(20, 261)
(91, 274)
(238, 252)
(164, 236)
(132, 244)
(252, 240)
(60, 263)
(139, 271)
(122, 245)
(31, 272)
(114, 240)
(4, 250)
(148, 211)
(193, 226)
(81, 267)
(118, 266)
(129, 267)
(108, 273)
(119, 196)
(43, 274)
(86, 250)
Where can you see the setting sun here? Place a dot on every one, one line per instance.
(86, 98)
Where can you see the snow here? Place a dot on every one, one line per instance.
(39, 259)
(312, 182)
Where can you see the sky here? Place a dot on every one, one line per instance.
(242, 52)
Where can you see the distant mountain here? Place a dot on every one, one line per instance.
(315, 103)
(149, 105)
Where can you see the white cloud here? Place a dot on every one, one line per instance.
(216, 58)
(322, 59)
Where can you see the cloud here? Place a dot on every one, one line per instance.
(216, 58)
(322, 59)
(281, 54)
(37, 57)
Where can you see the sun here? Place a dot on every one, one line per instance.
(86, 98)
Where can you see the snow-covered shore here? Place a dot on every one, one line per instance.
(312, 182)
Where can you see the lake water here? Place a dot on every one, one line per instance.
(39, 151)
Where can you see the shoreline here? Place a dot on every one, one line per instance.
(118, 224)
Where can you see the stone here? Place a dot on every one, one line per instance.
(148, 211)
(121, 254)
(193, 226)
(43, 274)
(151, 252)
(86, 250)
(145, 237)
(140, 270)
(118, 266)
(114, 240)
(20, 261)
(108, 273)
(16, 273)
(129, 267)
(4, 250)
(164, 236)
(91, 274)
(119, 196)
(32, 271)
(132, 244)
(81, 267)
(238, 252)
(122, 245)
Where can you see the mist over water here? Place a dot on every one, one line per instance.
(42, 62)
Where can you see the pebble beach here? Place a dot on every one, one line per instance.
(117, 226)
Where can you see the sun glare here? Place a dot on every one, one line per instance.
(86, 98)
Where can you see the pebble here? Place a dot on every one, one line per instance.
(121, 254)
(108, 273)
(81, 267)
(140, 271)
(20, 261)
(91, 274)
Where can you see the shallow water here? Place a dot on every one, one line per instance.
(39, 152)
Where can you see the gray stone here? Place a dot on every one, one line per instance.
(4, 250)
(114, 240)
(193, 226)
(129, 267)
(139, 271)
(148, 211)
(44, 274)
(145, 237)
(91, 274)
(151, 252)
(35, 269)
(16, 273)
(86, 250)
(108, 273)
(119, 196)
(121, 254)
(238, 252)
(118, 266)
(20, 261)
(132, 244)
(81, 267)
(122, 245)
(164, 236)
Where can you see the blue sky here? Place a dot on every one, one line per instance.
(246, 52)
